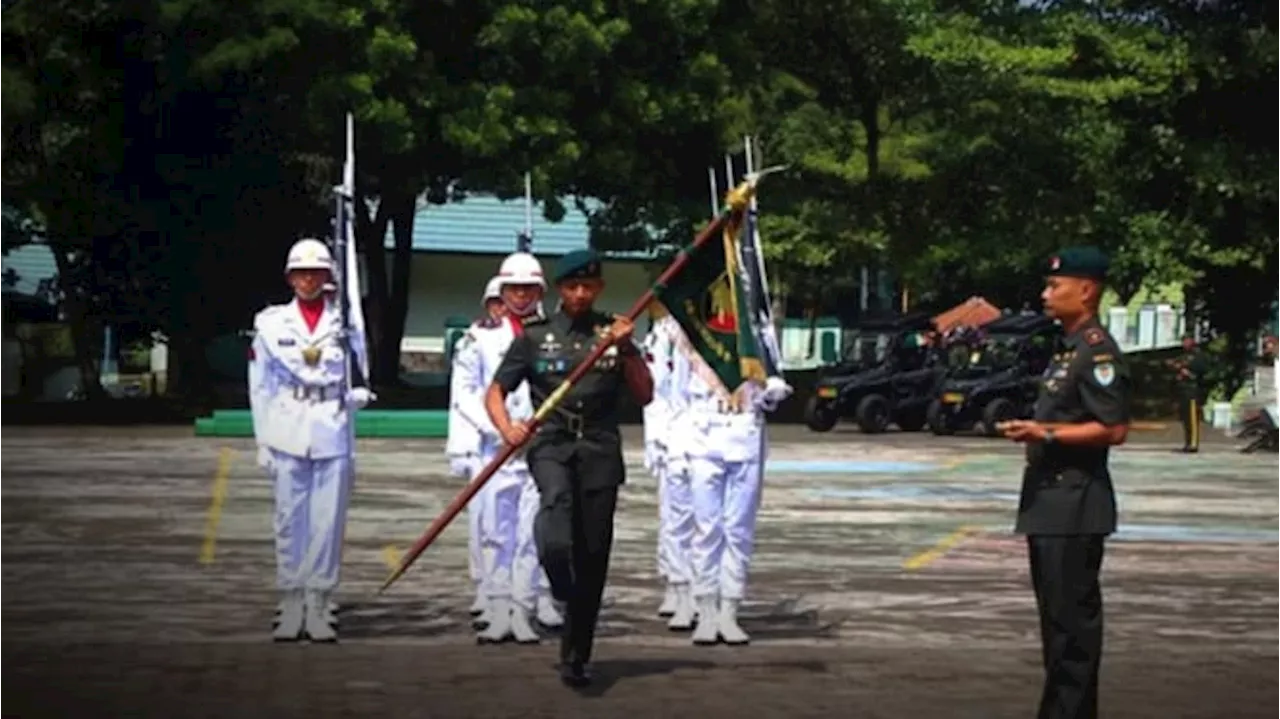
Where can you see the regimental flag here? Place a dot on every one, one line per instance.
(709, 301)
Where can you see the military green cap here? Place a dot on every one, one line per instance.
(1088, 262)
(578, 265)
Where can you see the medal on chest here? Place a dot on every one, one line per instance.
(311, 355)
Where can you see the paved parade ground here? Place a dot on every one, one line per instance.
(138, 572)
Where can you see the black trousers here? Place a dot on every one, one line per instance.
(1064, 573)
(1189, 409)
(578, 482)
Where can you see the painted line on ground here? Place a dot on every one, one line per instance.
(214, 516)
(391, 557)
(1148, 426)
(944, 545)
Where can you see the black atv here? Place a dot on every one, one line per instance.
(887, 374)
(1261, 431)
(996, 379)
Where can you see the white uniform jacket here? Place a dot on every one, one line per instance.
(297, 382)
(476, 361)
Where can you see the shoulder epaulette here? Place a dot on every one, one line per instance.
(488, 323)
(266, 312)
(1095, 336)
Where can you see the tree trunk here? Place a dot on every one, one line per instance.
(400, 211)
(81, 338)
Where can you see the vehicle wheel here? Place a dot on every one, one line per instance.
(937, 419)
(819, 415)
(911, 421)
(997, 410)
(873, 414)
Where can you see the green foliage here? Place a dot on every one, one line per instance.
(164, 146)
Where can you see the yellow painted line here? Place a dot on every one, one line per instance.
(942, 547)
(1148, 426)
(391, 557)
(215, 506)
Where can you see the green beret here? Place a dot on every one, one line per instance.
(578, 265)
(1087, 262)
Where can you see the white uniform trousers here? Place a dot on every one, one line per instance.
(726, 497)
(310, 520)
(499, 518)
(657, 466)
(468, 466)
(529, 582)
(676, 519)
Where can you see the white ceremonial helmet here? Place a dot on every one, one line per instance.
(492, 291)
(309, 254)
(521, 268)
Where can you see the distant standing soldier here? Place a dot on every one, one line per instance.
(301, 410)
(462, 446)
(576, 458)
(1067, 506)
(1190, 368)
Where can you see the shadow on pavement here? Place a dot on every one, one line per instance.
(611, 671)
(785, 620)
(400, 619)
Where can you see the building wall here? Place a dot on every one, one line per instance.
(444, 286)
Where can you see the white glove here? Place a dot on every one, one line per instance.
(265, 460)
(461, 466)
(776, 390)
(360, 397)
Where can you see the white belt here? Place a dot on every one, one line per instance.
(315, 392)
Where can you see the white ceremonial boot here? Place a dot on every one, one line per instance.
(499, 629)
(728, 623)
(549, 615)
(331, 610)
(316, 620)
(670, 602)
(708, 631)
(289, 616)
(682, 619)
(479, 604)
(481, 620)
(521, 629)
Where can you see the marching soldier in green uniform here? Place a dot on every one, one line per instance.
(1067, 505)
(576, 457)
(1190, 368)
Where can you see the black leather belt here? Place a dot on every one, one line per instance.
(315, 392)
(580, 425)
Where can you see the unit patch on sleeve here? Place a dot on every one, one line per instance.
(1105, 373)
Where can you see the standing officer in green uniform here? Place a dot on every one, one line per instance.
(1068, 506)
(576, 457)
(1190, 368)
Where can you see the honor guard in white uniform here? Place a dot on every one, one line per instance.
(675, 518)
(301, 413)
(462, 447)
(514, 584)
(715, 445)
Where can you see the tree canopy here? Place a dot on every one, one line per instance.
(169, 150)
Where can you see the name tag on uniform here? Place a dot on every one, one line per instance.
(551, 365)
(287, 342)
